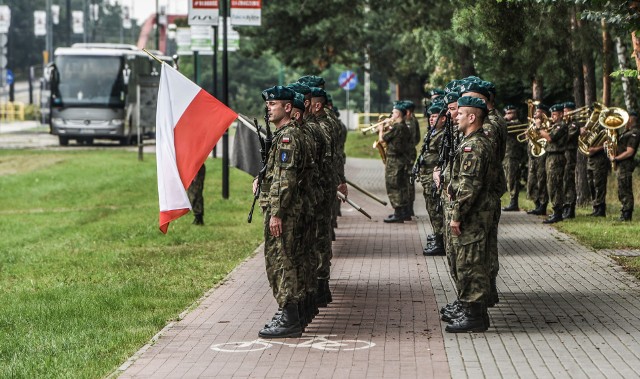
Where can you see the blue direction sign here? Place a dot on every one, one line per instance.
(348, 80)
(9, 77)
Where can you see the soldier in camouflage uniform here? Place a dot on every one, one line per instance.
(396, 172)
(282, 205)
(414, 129)
(471, 216)
(333, 181)
(570, 155)
(598, 166)
(537, 175)
(428, 162)
(495, 128)
(196, 198)
(624, 159)
(556, 138)
(513, 157)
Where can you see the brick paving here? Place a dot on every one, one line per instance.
(565, 311)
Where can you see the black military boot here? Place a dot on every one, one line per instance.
(493, 294)
(453, 314)
(513, 205)
(565, 211)
(555, 217)
(473, 319)
(321, 296)
(450, 306)
(274, 319)
(436, 248)
(532, 211)
(287, 326)
(302, 314)
(327, 291)
(431, 237)
(396, 217)
(625, 216)
(198, 220)
(599, 210)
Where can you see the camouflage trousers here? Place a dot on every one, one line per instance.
(571, 156)
(597, 172)
(309, 229)
(555, 178)
(396, 179)
(283, 256)
(472, 260)
(447, 237)
(195, 192)
(323, 248)
(436, 216)
(625, 184)
(537, 179)
(511, 167)
(492, 238)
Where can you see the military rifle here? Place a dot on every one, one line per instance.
(420, 161)
(444, 157)
(265, 146)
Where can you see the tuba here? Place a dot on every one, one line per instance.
(593, 135)
(612, 119)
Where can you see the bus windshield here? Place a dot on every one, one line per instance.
(89, 81)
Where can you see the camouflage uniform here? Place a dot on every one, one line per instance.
(195, 192)
(537, 179)
(598, 166)
(555, 164)
(398, 140)
(513, 157)
(414, 129)
(429, 162)
(280, 197)
(629, 138)
(341, 139)
(467, 187)
(331, 176)
(571, 155)
(495, 128)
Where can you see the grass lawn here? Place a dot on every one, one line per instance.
(361, 146)
(86, 276)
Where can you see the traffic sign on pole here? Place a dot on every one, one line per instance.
(348, 80)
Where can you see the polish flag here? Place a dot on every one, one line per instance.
(189, 123)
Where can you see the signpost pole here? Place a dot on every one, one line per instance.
(348, 115)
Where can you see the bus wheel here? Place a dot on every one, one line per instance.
(64, 141)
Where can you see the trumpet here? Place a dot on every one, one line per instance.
(577, 114)
(384, 123)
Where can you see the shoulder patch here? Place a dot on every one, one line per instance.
(467, 149)
(285, 156)
(286, 139)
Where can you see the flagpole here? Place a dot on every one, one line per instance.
(152, 56)
(225, 101)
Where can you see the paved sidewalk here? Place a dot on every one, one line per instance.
(565, 311)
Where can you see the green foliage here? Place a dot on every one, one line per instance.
(627, 73)
(87, 278)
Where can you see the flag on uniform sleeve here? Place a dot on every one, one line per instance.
(189, 123)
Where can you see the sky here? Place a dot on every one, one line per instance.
(141, 9)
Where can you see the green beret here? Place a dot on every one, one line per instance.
(436, 91)
(489, 86)
(453, 86)
(278, 93)
(400, 105)
(409, 105)
(451, 97)
(510, 107)
(468, 101)
(542, 107)
(298, 101)
(318, 92)
(311, 80)
(557, 107)
(435, 108)
(300, 88)
(570, 105)
(439, 99)
(475, 87)
(472, 79)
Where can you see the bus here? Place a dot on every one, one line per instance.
(102, 91)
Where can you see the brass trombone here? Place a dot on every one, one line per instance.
(373, 127)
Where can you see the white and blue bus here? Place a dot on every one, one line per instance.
(102, 91)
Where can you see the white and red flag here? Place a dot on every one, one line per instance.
(189, 123)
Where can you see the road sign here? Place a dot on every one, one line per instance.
(3, 39)
(3, 61)
(9, 77)
(348, 80)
